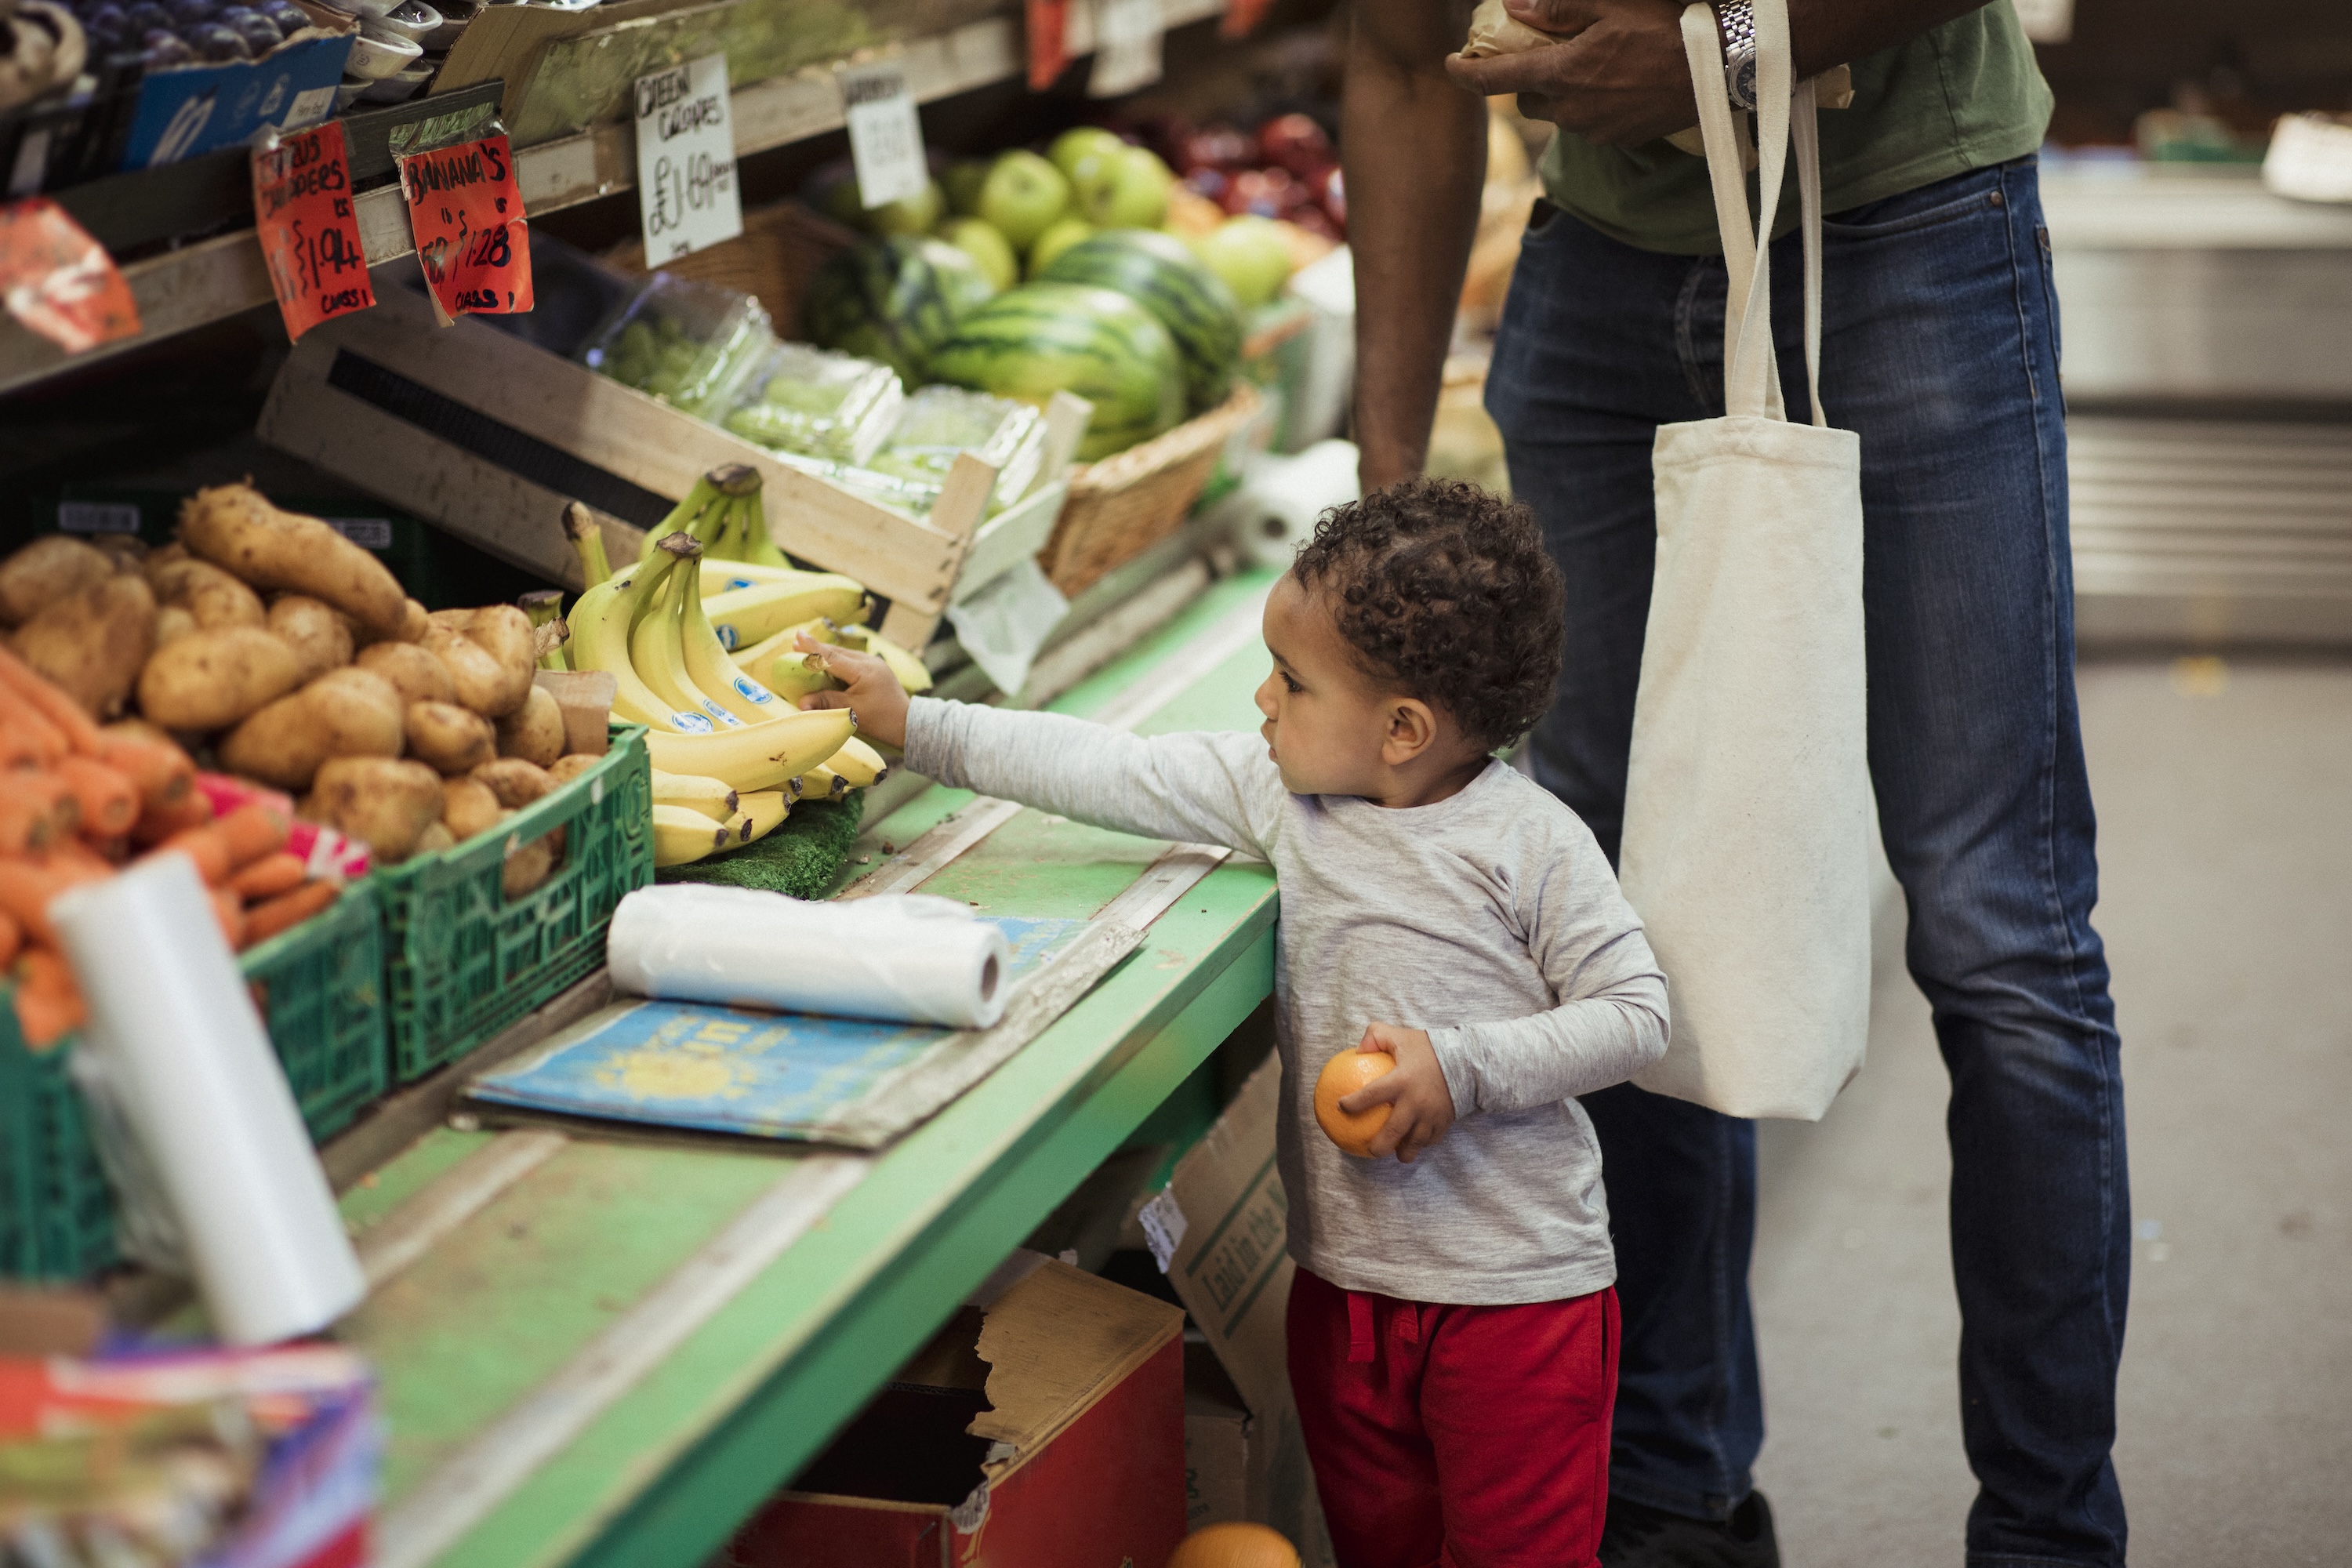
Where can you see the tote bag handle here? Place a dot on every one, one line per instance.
(1751, 375)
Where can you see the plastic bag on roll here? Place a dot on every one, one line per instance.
(903, 957)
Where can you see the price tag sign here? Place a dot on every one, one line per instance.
(470, 235)
(1127, 46)
(885, 135)
(1049, 47)
(310, 238)
(686, 194)
(60, 282)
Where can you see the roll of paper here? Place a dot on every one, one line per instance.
(907, 957)
(203, 1092)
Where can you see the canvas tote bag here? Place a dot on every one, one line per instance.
(1748, 804)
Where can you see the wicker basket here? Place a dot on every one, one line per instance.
(774, 259)
(1129, 501)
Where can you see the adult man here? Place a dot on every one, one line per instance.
(1941, 349)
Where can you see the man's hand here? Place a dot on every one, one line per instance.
(873, 693)
(1620, 79)
(1423, 1106)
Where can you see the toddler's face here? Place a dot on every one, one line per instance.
(1327, 724)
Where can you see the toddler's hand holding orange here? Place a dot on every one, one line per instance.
(1387, 1096)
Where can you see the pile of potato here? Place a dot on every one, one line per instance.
(295, 658)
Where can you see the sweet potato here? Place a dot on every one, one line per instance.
(385, 805)
(234, 526)
(319, 635)
(213, 597)
(50, 569)
(348, 712)
(468, 807)
(450, 739)
(209, 680)
(91, 643)
(288, 910)
(420, 677)
(533, 731)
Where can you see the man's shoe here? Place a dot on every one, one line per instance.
(1640, 1537)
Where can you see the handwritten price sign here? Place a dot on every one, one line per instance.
(686, 160)
(302, 211)
(470, 235)
(60, 282)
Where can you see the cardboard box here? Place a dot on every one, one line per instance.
(187, 110)
(1044, 1425)
(1220, 1232)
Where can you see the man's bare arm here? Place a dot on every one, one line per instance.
(1414, 148)
(1622, 80)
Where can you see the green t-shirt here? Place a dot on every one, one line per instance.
(1962, 97)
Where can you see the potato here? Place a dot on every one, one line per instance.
(506, 632)
(450, 739)
(481, 681)
(412, 621)
(436, 838)
(516, 783)
(50, 569)
(533, 731)
(497, 682)
(571, 767)
(93, 641)
(319, 638)
(207, 593)
(343, 713)
(173, 623)
(530, 865)
(420, 677)
(234, 526)
(385, 803)
(124, 551)
(469, 808)
(210, 679)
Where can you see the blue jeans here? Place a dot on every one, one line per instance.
(1940, 349)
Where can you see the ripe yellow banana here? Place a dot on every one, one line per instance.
(588, 541)
(656, 647)
(600, 640)
(821, 783)
(737, 829)
(912, 672)
(715, 798)
(723, 577)
(682, 834)
(792, 675)
(756, 756)
(744, 616)
(756, 546)
(858, 762)
(765, 809)
(707, 665)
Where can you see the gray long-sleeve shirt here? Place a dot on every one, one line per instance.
(1489, 918)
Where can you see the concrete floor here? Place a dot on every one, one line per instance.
(2225, 804)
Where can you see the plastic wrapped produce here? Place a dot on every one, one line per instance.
(817, 404)
(693, 345)
(939, 422)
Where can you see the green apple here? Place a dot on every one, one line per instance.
(1072, 148)
(962, 181)
(1063, 234)
(1021, 197)
(912, 216)
(1125, 189)
(980, 240)
(1251, 254)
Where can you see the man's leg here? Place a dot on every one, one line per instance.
(1591, 359)
(1941, 351)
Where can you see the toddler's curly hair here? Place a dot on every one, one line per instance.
(1446, 589)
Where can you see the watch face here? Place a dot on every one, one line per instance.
(1743, 82)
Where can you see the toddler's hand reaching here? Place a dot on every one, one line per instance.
(874, 693)
(1423, 1106)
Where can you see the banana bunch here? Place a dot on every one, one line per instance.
(730, 750)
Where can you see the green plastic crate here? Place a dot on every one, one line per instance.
(462, 962)
(320, 987)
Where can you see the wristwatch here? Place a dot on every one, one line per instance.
(1736, 20)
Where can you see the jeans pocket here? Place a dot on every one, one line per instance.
(1930, 206)
(2049, 301)
(1543, 219)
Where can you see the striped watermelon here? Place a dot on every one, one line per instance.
(893, 299)
(1042, 338)
(1161, 273)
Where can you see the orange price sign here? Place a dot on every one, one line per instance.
(60, 282)
(302, 214)
(1049, 50)
(470, 233)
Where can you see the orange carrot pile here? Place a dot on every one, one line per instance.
(78, 802)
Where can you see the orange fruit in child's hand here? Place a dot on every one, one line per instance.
(1234, 1546)
(1343, 1075)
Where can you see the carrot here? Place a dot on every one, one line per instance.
(25, 822)
(28, 737)
(204, 845)
(78, 728)
(109, 800)
(28, 883)
(230, 912)
(252, 831)
(265, 921)
(44, 803)
(12, 937)
(161, 771)
(159, 823)
(49, 1003)
(269, 877)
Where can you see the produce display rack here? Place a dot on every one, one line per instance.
(210, 279)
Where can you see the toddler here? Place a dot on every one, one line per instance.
(1453, 1330)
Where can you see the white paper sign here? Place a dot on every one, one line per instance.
(1127, 46)
(885, 135)
(686, 160)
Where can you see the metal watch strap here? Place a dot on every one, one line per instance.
(1736, 20)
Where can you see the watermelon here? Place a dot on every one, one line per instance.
(893, 299)
(1161, 273)
(1042, 338)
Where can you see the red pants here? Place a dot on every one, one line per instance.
(1463, 1437)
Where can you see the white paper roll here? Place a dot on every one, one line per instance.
(907, 957)
(176, 1028)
